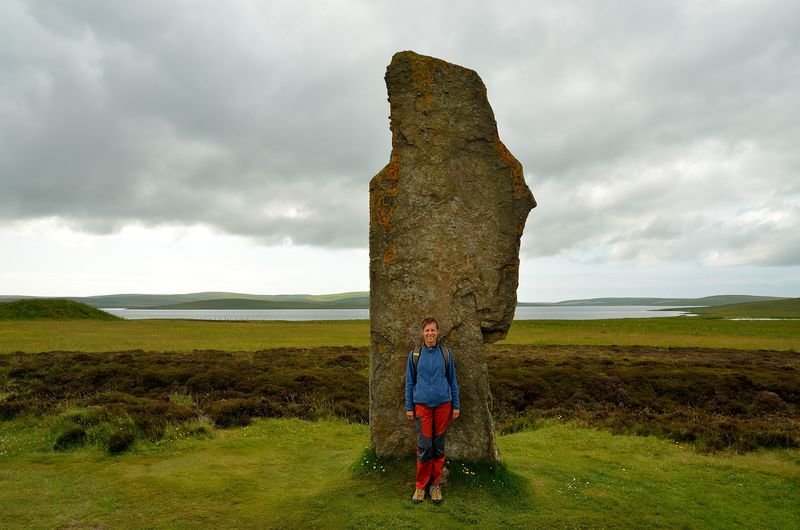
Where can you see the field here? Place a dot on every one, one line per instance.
(787, 308)
(299, 474)
(655, 422)
(188, 335)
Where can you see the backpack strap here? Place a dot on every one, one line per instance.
(416, 353)
(446, 352)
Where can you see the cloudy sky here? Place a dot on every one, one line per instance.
(181, 146)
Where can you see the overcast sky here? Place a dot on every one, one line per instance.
(181, 146)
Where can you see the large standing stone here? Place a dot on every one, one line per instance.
(446, 217)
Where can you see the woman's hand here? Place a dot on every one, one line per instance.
(410, 415)
(456, 413)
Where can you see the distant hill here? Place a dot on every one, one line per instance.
(674, 302)
(240, 303)
(13, 298)
(351, 300)
(211, 300)
(51, 309)
(222, 300)
(784, 308)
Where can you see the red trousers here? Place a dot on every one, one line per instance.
(431, 425)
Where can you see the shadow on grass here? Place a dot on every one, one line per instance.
(377, 494)
(493, 479)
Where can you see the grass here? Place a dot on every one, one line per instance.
(112, 399)
(292, 473)
(178, 335)
(686, 332)
(51, 309)
(712, 398)
(716, 399)
(188, 335)
(599, 480)
(789, 308)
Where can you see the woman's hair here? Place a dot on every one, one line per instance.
(429, 320)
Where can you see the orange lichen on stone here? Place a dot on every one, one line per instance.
(384, 215)
(374, 204)
(422, 77)
(392, 169)
(517, 179)
(390, 254)
(380, 211)
(385, 188)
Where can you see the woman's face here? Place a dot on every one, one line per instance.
(429, 334)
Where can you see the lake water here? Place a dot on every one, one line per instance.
(523, 313)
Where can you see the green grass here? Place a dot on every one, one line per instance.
(716, 399)
(296, 474)
(789, 308)
(51, 309)
(685, 332)
(712, 398)
(292, 473)
(188, 335)
(178, 335)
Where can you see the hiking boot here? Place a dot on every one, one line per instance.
(436, 494)
(419, 496)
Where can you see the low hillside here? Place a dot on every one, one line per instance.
(667, 302)
(223, 300)
(784, 308)
(51, 309)
(240, 303)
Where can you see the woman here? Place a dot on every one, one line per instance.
(431, 399)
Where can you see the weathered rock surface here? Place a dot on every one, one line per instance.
(446, 217)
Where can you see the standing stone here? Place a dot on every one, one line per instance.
(446, 217)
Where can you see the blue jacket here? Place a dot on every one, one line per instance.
(428, 384)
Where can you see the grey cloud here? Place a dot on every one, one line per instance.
(643, 127)
(624, 80)
(149, 116)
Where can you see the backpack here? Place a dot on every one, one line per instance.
(446, 354)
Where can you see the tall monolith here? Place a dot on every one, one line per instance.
(446, 217)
